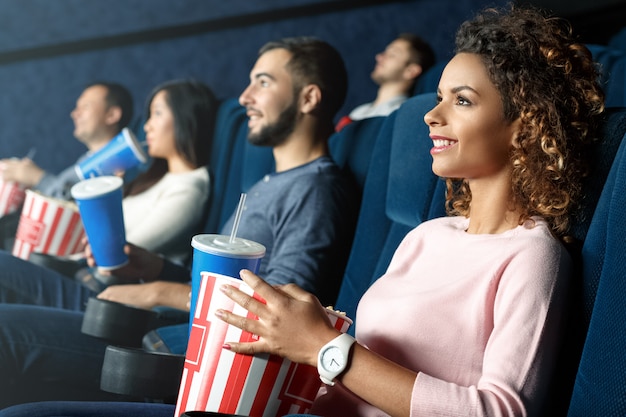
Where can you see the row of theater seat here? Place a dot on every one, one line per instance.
(389, 156)
(235, 165)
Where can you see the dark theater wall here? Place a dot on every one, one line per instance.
(50, 49)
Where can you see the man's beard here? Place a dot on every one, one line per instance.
(275, 134)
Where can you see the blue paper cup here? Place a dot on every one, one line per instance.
(122, 153)
(217, 254)
(99, 202)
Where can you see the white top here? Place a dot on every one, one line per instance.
(164, 218)
(367, 110)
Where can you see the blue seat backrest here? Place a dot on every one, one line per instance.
(400, 192)
(601, 182)
(600, 385)
(352, 147)
(612, 73)
(588, 266)
(247, 165)
(227, 157)
(429, 81)
(618, 41)
(601, 158)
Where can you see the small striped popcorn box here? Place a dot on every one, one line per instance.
(12, 196)
(48, 226)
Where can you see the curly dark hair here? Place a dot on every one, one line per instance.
(549, 82)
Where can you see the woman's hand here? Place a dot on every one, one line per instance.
(142, 264)
(291, 323)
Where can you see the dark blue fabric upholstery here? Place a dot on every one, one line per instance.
(612, 73)
(618, 41)
(429, 81)
(592, 250)
(352, 147)
(600, 386)
(230, 128)
(400, 192)
(246, 165)
(586, 259)
(601, 159)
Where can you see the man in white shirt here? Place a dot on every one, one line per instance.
(396, 71)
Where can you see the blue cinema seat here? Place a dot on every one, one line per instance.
(230, 127)
(612, 73)
(429, 81)
(600, 385)
(618, 41)
(400, 192)
(588, 257)
(352, 147)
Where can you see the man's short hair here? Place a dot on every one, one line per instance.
(118, 96)
(421, 52)
(314, 61)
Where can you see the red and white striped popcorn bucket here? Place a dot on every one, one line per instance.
(48, 225)
(12, 196)
(219, 380)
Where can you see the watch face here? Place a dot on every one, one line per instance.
(333, 360)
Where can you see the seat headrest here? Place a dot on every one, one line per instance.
(351, 148)
(428, 81)
(414, 194)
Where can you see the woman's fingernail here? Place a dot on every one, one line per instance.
(226, 346)
(219, 313)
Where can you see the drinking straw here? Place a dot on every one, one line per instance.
(31, 153)
(233, 233)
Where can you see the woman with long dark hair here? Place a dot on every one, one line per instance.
(165, 205)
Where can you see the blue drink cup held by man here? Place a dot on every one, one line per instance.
(99, 202)
(218, 254)
(224, 255)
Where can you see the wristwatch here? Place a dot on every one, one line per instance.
(333, 358)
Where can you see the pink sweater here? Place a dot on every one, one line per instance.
(478, 317)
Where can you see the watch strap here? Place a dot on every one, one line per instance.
(344, 342)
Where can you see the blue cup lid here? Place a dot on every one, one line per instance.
(95, 187)
(221, 245)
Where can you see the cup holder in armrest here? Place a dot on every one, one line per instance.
(142, 374)
(119, 324)
(64, 266)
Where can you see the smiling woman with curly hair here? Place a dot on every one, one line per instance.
(548, 81)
